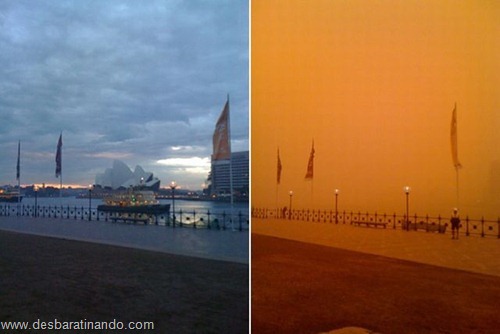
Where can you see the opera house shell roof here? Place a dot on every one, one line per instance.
(120, 176)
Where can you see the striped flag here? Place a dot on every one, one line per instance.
(18, 170)
(278, 179)
(453, 135)
(59, 157)
(310, 164)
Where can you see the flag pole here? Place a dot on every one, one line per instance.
(276, 201)
(18, 172)
(59, 163)
(278, 181)
(230, 160)
(310, 172)
(312, 193)
(454, 152)
(458, 188)
(18, 176)
(60, 177)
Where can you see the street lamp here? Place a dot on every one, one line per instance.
(35, 188)
(173, 185)
(90, 202)
(290, 207)
(336, 205)
(407, 190)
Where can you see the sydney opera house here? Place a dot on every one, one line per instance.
(120, 176)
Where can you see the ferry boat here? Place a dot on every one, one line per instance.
(134, 206)
(10, 196)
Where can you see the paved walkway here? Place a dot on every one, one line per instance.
(226, 245)
(473, 253)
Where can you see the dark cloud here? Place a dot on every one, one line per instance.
(119, 79)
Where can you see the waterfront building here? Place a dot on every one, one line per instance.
(219, 178)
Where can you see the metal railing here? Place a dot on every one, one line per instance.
(181, 218)
(480, 227)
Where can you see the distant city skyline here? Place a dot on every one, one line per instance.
(141, 82)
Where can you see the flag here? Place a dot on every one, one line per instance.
(221, 147)
(18, 173)
(59, 157)
(454, 144)
(310, 164)
(279, 168)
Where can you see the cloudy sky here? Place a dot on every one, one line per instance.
(139, 81)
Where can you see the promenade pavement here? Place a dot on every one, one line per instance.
(471, 253)
(225, 245)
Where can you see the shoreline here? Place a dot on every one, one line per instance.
(228, 245)
(470, 253)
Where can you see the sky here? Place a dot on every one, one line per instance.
(139, 81)
(374, 84)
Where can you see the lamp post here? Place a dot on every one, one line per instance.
(290, 206)
(90, 202)
(35, 188)
(336, 205)
(407, 190)
(173, 185)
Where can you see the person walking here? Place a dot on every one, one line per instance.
(455, 224)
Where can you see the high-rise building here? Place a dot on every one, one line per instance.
(219, 178)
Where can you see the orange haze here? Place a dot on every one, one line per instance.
(374, 83)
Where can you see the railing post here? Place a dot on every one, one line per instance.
(482, 227)
(173, 218)
(498, 227)
(467, 233)
(208, 214)
(239, 220)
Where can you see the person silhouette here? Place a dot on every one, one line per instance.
(455, 223)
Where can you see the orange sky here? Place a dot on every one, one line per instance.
(374, 84)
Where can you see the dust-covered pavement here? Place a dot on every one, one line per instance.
(385, 281)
